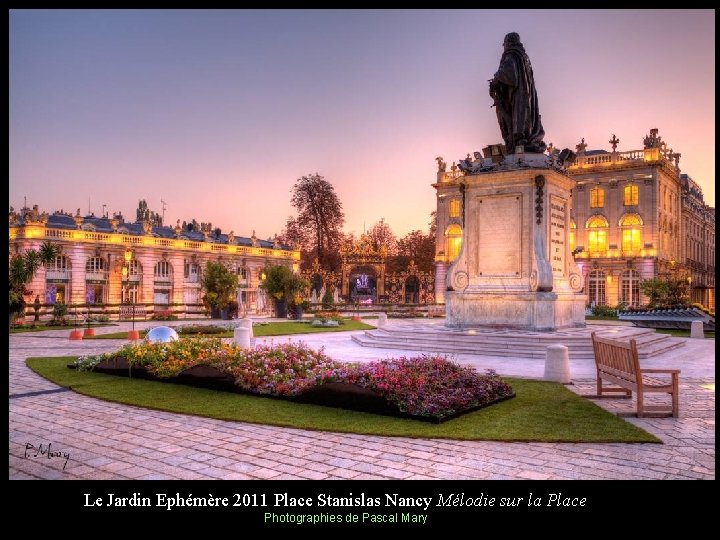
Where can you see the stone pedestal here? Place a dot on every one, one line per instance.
(515, 267)
(557, 364)
(696, 330)
(241, 337)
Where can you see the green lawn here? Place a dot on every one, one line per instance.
(541, 411)
(682, 333)
(262, 330)
(41, 327)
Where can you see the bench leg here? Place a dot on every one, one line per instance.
(640, 404)
(675, 396)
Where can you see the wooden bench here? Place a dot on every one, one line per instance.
(129, 311)
(617, 362)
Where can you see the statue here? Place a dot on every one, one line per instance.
(516, 103)
(441, 164)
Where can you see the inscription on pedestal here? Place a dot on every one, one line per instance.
(558, 235)
(499, 236)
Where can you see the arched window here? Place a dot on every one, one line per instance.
(597, 234)
(162, 291)
(631, 233)
(57, 280)
(163, 271)
(571, 234)
(596, 288)
(597, 197)
(630, 288)
(95, 264)
(95, 280)
(454, 242)
(630, 195)
(454, 208)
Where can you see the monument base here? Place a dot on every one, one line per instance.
(539, 311)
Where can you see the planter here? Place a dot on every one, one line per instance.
(76, 335)
(225, 314)
(133, 335)
(89, 332)
(214, 313)
(281, 309)
(335, 394)
(297, 313)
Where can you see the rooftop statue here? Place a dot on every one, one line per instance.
(516, 103)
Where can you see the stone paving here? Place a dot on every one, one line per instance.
(111, 441)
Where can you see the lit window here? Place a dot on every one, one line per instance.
(454, 241)
(597, 197)
(631, 240)
(597, 233)
(630, 195)
(454, 208)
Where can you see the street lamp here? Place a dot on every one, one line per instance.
(128, 296)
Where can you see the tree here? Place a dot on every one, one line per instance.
(381, 235)
(320, 216)
(22, 269)
(665, 291)
(284, 287)
(295, 236)
(419, 247)
(219, 283)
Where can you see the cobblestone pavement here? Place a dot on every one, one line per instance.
(111, 441)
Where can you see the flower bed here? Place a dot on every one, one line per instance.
(427, 388)
(430, 385)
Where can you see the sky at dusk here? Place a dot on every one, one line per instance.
(219, 112)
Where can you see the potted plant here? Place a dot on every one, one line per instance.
(23, 267)
(219, 284)
(284, 287)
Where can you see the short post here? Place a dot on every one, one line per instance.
(241, 337)
(557, 364)
(382, 320)
(247, 323)
(696, 330)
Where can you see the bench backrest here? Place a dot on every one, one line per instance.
(616, 358)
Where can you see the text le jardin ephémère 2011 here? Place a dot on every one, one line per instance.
(322, 500)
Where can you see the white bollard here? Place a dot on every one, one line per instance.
(247, 323)
(696, 330)
(557, 364)
(241, 337)
(382, 320)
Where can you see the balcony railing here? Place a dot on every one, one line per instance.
(96, 276)
(58, 274)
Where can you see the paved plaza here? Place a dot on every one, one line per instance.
(104, 440)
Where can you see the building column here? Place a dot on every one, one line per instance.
(440, 276)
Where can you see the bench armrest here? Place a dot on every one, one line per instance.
(659, 371)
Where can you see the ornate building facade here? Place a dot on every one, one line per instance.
(698, 242)
(106, 262)
(633, 217)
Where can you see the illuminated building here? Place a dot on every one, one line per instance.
(165, 265)
(633, 217)
(636, 217)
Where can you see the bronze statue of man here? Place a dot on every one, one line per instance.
(516, 103)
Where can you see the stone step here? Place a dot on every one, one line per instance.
(524, 345)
